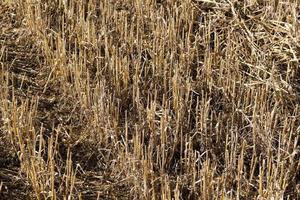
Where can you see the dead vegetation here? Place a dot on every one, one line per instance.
(149, 99)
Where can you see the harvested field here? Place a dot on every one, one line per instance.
(132, 99)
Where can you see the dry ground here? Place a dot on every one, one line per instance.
(149, 99)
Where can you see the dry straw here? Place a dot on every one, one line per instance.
(150, 99)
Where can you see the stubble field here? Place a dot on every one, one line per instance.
(152, 99)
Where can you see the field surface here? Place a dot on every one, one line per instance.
(152, 99)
